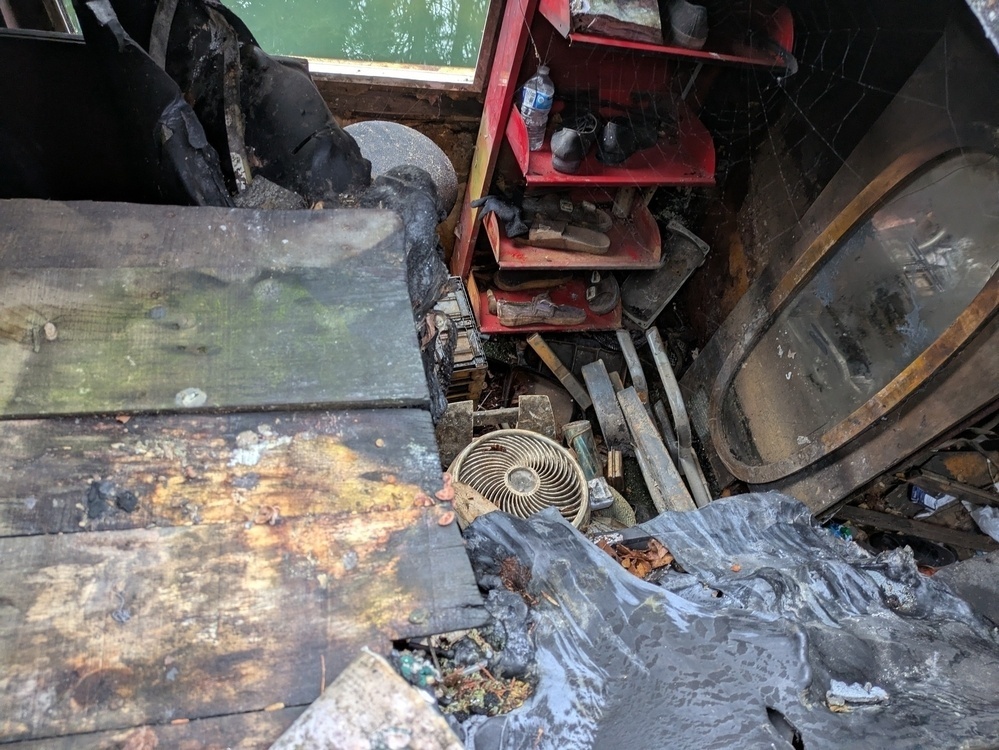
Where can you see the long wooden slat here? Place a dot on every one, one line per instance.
(605, 405)
(250, 731)
(665, 485)
(234, 468)
(117, 307)
(917, 528)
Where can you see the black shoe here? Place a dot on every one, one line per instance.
(688, 23)
(571, 142)
(623, 136)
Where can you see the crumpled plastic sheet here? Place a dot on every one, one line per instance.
(774, 621)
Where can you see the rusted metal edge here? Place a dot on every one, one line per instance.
(981, 309)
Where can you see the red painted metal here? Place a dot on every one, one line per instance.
(688, 160)
(572, 293)
(628, 75)
(635, 244)
(721, 51)
(510, 44)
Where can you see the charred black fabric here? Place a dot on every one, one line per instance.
(774, 621)
(290, 134)
(411, 193)
(166, 142)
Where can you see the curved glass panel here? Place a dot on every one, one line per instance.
(889, 290)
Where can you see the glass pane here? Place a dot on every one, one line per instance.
(898, 281)
(415, 32)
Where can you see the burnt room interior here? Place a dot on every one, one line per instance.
(288, 449)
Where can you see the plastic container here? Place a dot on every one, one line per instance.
(536, 105)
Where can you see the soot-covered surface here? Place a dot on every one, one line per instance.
(773, 624)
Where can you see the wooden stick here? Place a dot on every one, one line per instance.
(554, 364)
(921, 529)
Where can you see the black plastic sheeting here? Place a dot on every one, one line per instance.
(774, 620)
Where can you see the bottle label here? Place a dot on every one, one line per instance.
(538, 100)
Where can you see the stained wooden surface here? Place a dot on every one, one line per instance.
(243, 571)
(267, 547)
(113, 307)
(237, 732)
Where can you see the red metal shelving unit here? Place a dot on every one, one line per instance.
(611, 67)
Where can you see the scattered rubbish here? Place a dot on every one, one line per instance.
(605, 406)
(469, 504)
(555, 365)
(664, 483)
(456, 427)
(688, 459)
(121, 615)
(98, 495)
(190, 398)
(924, 498)
(126, 500)
(986, 517)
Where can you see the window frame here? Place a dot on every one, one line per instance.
(914, 376)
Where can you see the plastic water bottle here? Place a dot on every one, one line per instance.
(536, 104)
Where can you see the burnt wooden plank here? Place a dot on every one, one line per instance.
(117, 307)
(665, 485)
(605, 405)
(250, 731)
(233, 468)
(917, 528)
(117, 629)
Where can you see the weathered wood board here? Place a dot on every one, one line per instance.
(231, 468)
(204, 601)
(166, 578)
(250, 731)
(109, 308)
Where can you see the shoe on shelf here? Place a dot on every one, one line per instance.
(556, 207)
(624, 135)
(603, 294)
(572, 141)
(539, 311)
(560, 235)
(518, 281)
(688, 24)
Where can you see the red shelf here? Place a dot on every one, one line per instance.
(635, 244)
(573, 293)
(780, 28)
(686, 159)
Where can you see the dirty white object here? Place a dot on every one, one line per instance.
(842, 696)
(369, 706)
(986, 517)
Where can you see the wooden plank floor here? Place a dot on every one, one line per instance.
(264, 550)
(114, 307)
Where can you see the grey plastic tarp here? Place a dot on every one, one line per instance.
(774, 620)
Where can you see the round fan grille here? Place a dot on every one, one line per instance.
(523, 472)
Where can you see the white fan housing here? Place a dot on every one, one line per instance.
(523, 472)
